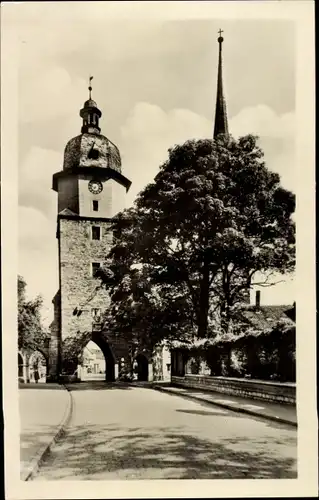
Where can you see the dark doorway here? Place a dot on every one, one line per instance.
(142, 368)
(20, 365)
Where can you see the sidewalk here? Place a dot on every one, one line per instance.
(44, 410)
(272, 411)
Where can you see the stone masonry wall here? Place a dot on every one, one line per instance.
(254, 389)
(77, 252)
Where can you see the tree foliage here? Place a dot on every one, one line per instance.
(213, 219)
(142, 311)
(31, 334)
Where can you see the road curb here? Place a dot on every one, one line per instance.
(30, 471)
(227, 407)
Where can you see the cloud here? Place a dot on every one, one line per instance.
(53, 93)
(149, 132)
(262, 120)
(35, 180)
(37, 244)
(147, 135)
(38, 256)
(277, 138)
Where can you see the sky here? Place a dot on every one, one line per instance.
(155, 82)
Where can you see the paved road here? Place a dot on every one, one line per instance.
(42, 409)
(139, 433)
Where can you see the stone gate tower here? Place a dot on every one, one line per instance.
(91, 190)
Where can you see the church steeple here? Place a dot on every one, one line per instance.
(90, 115)
(221, 122)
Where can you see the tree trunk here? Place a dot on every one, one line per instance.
(203, 303)
(226, 318)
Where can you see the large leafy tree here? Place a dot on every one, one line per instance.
(143, 311)
(31, 334)
(213, 219)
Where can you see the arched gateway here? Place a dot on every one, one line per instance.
(97, 360)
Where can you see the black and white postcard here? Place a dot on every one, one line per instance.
(158, 262)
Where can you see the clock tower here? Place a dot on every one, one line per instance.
(90, 191)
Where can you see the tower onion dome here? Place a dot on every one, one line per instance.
(91, 148)
(90, 104)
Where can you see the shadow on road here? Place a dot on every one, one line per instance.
(97, 385)
(31, 442)
(46, 386)
(110, 452)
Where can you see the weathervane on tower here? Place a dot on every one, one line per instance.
(90, 86)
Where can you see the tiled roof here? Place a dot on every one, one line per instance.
(259, 321)
(265, 317)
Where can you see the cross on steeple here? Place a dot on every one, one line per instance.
(220, 32)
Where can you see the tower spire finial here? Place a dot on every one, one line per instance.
(221, 122)
(90, 114)
(90, 86)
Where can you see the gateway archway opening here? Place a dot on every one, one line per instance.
(93, 365)
(97, 362)
(37, 368)
(141, 368)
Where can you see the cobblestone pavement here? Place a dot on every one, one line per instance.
(122, 432)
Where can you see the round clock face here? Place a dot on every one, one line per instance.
(95, 187)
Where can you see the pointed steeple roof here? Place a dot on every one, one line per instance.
(221, 122)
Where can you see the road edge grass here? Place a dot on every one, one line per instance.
(31, 470)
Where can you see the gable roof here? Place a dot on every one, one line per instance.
(266, 317)
(257, 321)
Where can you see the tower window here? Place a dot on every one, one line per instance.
(95, 268)
(93, 153)
(95, 205)
(96, 233)
(96, 314)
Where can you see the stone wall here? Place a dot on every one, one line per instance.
(254, 389)
(77, 253)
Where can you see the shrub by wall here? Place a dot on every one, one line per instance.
(266, 355)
